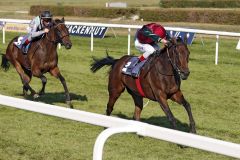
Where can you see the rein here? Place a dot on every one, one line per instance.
(151, 62)
(175, 67)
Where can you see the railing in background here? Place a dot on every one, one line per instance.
(118, 125)
(129, 27)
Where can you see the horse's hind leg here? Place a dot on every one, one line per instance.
(56, 73)
(114, 93)
(25, 80)
(179, 98)
(25, 88)
(138, 101)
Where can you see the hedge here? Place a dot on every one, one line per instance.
(231, 17)
(217, 16)
(84, 12)
(199, 3)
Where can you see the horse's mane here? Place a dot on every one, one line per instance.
(173, 41)
(156, 54)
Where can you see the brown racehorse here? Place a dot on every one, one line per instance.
(160, 80)
(42, 57)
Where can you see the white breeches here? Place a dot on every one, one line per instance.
(146, 49)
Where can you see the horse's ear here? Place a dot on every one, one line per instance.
(63, 20)
(174, 40)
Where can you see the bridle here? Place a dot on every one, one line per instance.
(59, 34)
(173, 62)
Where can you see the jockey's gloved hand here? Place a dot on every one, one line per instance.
(168, 43)
(165, 42)
(46, 30)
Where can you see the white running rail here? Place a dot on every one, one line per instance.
(129, 27)
(118, 125)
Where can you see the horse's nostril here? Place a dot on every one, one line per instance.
(68, 46)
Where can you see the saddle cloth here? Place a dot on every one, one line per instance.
(133, 67)
(20, 44)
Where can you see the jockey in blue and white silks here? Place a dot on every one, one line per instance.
(37, 27)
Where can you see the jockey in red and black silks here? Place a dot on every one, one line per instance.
(146, 42)
(148, 37)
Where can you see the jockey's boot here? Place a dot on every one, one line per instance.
(25, 46)
(136, 69)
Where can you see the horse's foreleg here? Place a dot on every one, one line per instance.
(44, 81)
(167, 111)
(179, 98)
(191, 120)
(56, 73)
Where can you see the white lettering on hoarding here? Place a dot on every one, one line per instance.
(86, 31)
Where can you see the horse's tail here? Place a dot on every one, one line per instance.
(5, 63)
(99, 63)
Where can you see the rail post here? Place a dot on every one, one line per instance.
(3, 30)
(216, 54)
(91, 38)
(129, 40)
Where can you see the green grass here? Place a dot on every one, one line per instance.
(213, 92)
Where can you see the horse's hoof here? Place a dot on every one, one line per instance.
(24, 93)
(193, 131)
(69, 104)
(182, 146)
(35, 96)
(41, 93)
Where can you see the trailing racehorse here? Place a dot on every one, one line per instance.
(42, 57)
(159, 80)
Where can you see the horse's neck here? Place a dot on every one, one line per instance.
(49, 40)
(162, 62)
(163, 67)
(47, 46)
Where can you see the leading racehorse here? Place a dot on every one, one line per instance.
(42, 57)
(159, 80)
